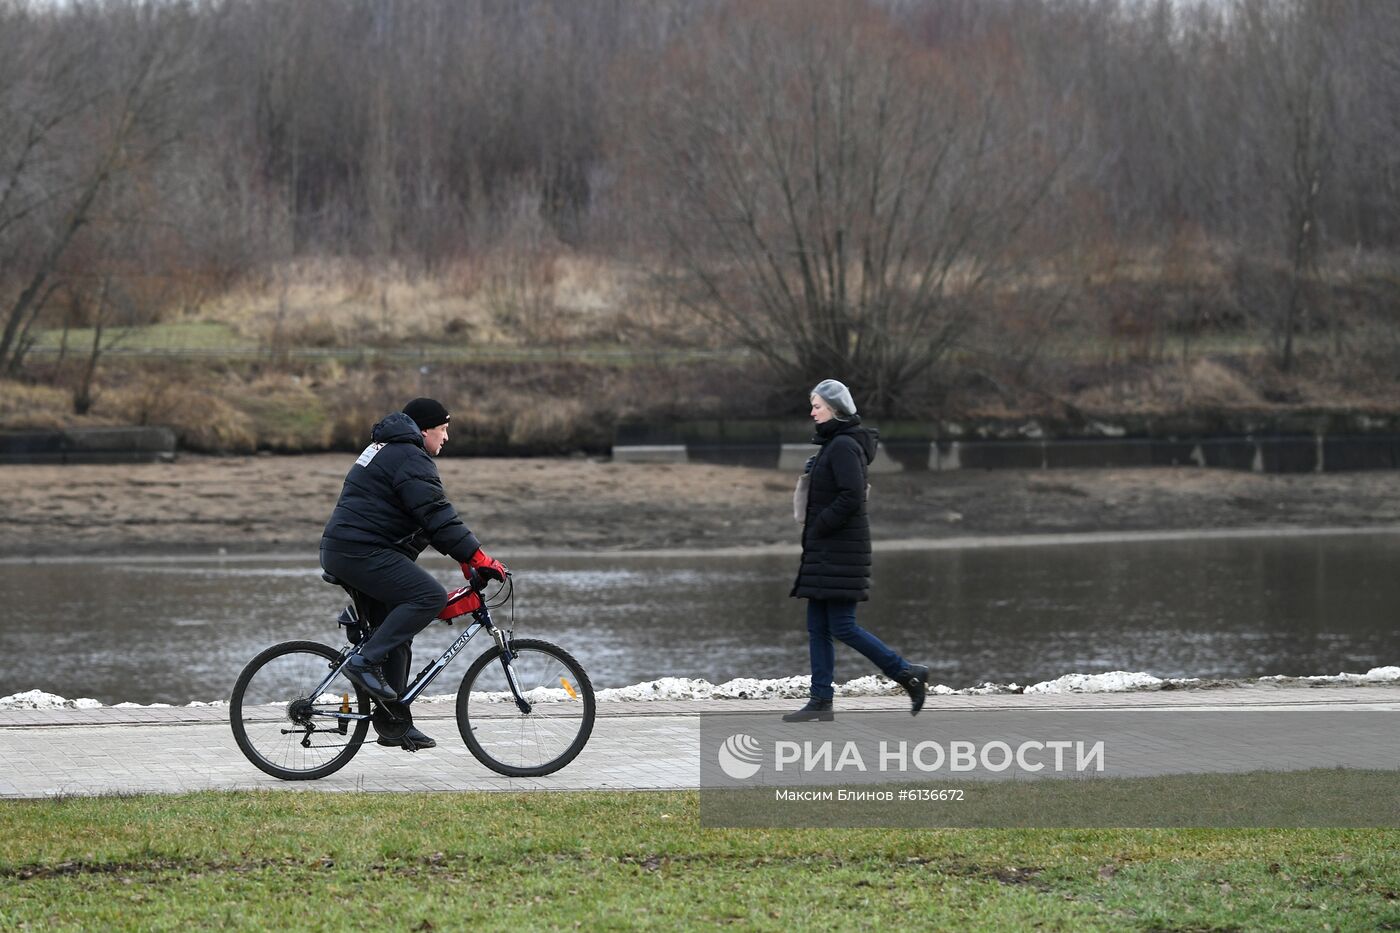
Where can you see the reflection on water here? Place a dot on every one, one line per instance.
(177, 631)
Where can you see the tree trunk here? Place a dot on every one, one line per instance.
(78, 216)
(22, 343)
(82, 395)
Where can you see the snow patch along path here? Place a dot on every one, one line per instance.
(872, 685)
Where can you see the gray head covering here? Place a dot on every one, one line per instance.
(837, 396)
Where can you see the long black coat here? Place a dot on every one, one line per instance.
(836, 533)
(393, 498)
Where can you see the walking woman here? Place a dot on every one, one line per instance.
(835, 571)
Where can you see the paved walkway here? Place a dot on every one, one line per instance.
(655, 745)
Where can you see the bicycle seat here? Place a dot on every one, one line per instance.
(333, 580)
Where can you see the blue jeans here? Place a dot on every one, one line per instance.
(836, 618)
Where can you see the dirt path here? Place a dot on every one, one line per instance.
(246, 504)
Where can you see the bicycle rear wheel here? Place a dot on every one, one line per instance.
(516, 743)
(285, 731)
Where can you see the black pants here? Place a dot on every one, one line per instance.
(411, 594)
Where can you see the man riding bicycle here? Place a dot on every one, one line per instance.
(391, 508)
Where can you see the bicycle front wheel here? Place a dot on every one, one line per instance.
(281, 727)
(516, 743)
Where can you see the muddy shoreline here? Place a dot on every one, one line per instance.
(245, 505)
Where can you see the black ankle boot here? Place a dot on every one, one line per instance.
(914, 680)
(815, 711)
(394, 723)
(369, 677)
(411, 740)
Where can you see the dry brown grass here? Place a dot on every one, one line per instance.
(200, 412)
(29, 405)
(1168, 387)
(1130, 342)
(537, 408)
(334, 303)
(555, 408)
(502, 298)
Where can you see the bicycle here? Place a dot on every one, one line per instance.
(525, 707)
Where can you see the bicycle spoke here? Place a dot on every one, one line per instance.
(542, 740)
(273, 712)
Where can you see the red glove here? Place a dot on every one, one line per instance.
(486, 567)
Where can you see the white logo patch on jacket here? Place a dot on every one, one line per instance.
(368, 454)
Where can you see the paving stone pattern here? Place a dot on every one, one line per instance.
(634, 746)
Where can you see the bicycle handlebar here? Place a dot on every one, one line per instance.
(472, 597)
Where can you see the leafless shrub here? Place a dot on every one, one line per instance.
(831, 194)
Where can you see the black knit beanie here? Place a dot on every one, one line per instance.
(427, 413)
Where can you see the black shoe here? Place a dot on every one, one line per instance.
(914, 680)
(410, 741)
(369, 677)
(815, 711)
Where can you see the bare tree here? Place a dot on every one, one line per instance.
(84, 129)
(1369, 78)
(833, 196)
(1290, 57)
(838, 185)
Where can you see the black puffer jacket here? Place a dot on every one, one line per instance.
(393, 497)
(836, 533)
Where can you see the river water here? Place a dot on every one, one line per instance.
(175, 630)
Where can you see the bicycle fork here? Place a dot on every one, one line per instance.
(508, 655)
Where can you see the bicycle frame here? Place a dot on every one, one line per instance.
(481, 619)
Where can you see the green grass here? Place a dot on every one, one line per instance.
(155, 338)
(210, 340)
(615, 861)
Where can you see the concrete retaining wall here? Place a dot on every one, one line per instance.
(88, 445)
(787, 446)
